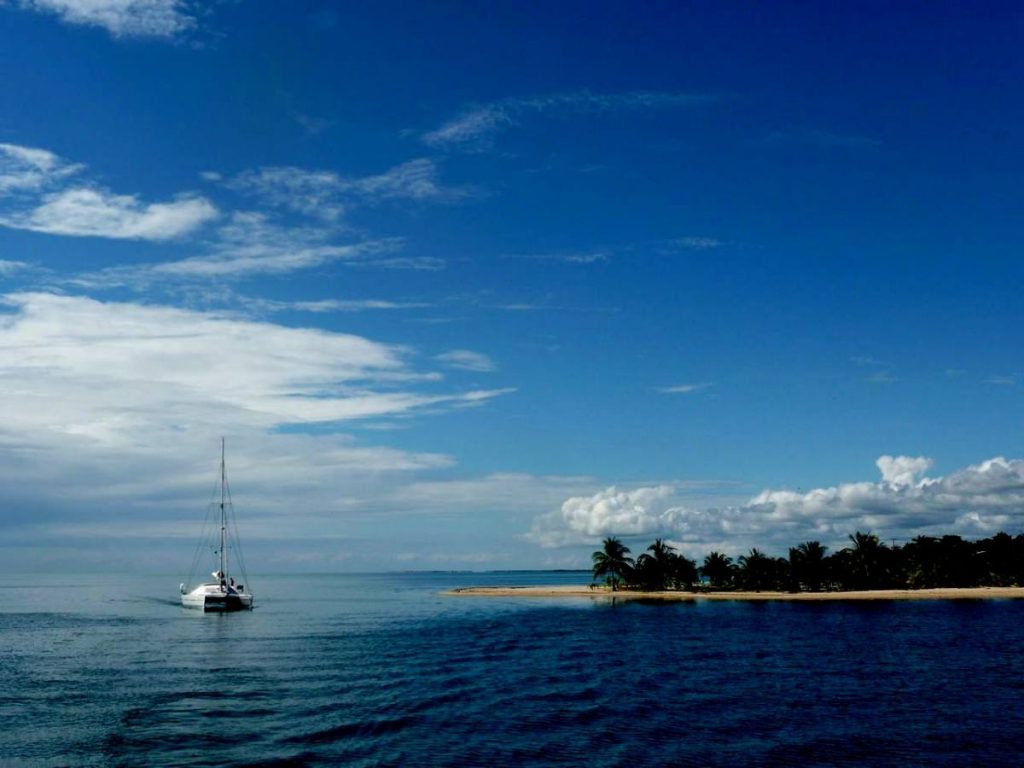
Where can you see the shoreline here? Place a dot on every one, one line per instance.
(602, 593)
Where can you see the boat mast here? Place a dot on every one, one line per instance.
(223, 516)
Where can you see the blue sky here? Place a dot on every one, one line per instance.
(473, 287)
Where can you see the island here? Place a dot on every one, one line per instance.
(925, 567)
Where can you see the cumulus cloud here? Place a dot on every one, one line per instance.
(626, 513)
(902, 470)
(121, 18)
(476, 126)
(41, 192)
(977, 500)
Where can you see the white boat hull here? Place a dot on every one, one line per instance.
(215, 598)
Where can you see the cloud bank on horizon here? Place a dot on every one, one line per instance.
(978, 500)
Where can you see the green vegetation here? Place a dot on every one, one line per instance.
(865, 563)
(613, 562)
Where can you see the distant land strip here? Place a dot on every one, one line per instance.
(941, 593)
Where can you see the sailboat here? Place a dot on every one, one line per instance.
(223, 593)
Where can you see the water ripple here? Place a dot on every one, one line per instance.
(416, 680)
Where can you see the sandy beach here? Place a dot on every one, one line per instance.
(974, 593)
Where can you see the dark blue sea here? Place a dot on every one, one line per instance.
(373, 670)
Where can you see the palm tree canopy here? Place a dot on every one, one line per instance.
(612, 560)
(812, 550)
(718, 568)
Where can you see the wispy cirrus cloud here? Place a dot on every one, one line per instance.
(28, 169)
(346, 305)
(327, 194)
(121, 18)
(110, 369)
(683, 389)
(977, 500)
(41, 192)
(695, 243)
(466, 360)
(10, 266)
(476, 126)
(581, 257)
(249, 244)
(312, 193)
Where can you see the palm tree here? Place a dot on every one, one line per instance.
(613, 561)
(718, 569)
(807, 565)
(684, 572)
(754, 567)
(867, 560)
(660, 559)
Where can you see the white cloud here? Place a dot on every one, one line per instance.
(679, 389)
(85, 212)
(472, 125)
(977, 500)
(501, 492)
(313, 193)
(568, 257)
(250, 244)
(414, 180)
(476, 126)
(344, 305)
(466, 360)
(25, 169)
(902, 470)
(121, 18)
(622, 512)
(37, 193)
(110, 413)
(417, 263)
(9, 267)
(106, 370)
(326, 194)
(696, 243)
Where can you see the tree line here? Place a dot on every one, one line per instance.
(865, 563)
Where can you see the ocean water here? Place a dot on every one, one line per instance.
(375, 670)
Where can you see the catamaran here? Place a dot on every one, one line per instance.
(223, 593)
